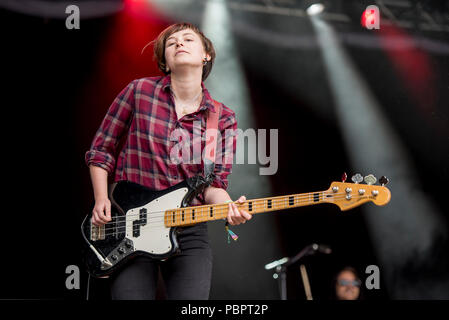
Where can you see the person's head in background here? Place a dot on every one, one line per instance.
(347, 284)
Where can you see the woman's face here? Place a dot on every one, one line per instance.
(348, 286)
(184, 48)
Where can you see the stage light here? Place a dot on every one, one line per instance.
(373, 145)
(315, 9)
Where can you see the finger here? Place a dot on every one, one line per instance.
(237, 216)
(230, 214)
(234, 214)
(104, 220)
(102, 215)
(95, 219)
(246, 214)
(108, 211)
(241, 199)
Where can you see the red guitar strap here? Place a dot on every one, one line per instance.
(211, 139)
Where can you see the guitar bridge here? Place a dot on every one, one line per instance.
(97, 232)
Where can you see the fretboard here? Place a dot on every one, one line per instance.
(197, 214)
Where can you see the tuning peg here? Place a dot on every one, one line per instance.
(357, 178)
(344, 177)
(383, 180)
(370, 179)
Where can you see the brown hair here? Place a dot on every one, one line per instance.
(349, 269)
(159, 47)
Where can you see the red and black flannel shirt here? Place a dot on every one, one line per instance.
(144, 115)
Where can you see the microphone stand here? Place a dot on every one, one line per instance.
(283, 264)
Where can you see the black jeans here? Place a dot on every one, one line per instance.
(186, 275)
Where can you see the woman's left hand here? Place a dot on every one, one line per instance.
(236, 216)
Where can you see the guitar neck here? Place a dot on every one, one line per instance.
(192, 215)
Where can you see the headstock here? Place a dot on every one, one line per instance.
(350, 195)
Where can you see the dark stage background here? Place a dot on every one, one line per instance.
(58, 83)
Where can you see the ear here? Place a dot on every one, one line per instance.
(208, 57)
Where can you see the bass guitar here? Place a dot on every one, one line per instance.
(144, 221)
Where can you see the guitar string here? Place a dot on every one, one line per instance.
(129, 227)
(203, 208)
(123, 229)
(149, 224)
(200, 213)
(218, 204)
(207, 207)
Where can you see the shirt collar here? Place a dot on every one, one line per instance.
(207, 102)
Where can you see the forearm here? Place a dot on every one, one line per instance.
(215, 195)
(99, 177)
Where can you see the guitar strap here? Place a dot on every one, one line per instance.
(210, 155)
(211, 141)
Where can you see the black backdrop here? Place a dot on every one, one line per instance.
(51, 83)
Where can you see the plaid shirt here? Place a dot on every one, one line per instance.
(144, 116)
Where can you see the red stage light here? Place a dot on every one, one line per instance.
(371, 18)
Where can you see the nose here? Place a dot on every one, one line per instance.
(178, 43)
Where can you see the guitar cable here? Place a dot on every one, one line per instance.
(88, 286)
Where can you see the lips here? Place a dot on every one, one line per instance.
(180, 51)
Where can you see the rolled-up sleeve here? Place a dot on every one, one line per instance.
(224, 159)
(102, 152)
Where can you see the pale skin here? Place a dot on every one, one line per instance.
(348, 292)
(184, 54)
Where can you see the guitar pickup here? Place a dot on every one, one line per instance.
(143, 216)
(136, 228)
(120, 227)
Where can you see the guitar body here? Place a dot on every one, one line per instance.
(137, 225)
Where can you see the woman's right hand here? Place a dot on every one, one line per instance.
(101, 213)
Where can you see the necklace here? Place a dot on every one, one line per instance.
(186, 106)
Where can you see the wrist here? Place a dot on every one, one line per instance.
(101, 198)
